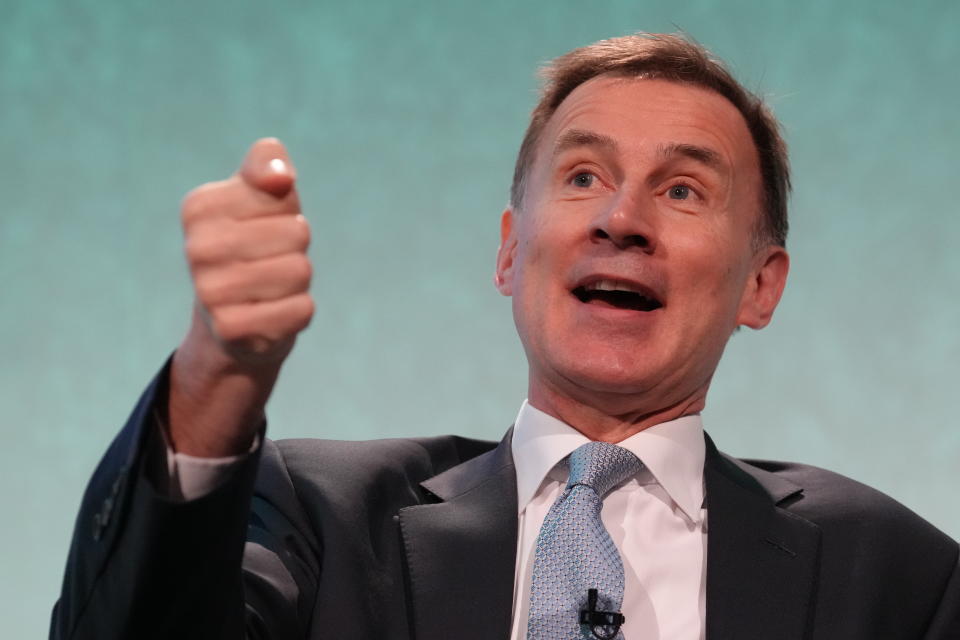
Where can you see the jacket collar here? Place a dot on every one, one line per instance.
(762, 560)
(461, 550)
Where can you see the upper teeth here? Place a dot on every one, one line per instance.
(613, 285)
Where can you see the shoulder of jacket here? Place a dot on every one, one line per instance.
(838, 503)
(363, 461)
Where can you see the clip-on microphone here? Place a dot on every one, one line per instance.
(605, 625)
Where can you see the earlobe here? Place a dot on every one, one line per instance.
(763, 291)
(502, 279)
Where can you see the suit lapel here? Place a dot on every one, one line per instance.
(461, 551)
(762, 560)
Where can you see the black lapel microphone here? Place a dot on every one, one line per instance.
(604, 625)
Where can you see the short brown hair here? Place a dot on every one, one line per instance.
(679, 59)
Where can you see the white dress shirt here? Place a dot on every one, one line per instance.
(656, 519)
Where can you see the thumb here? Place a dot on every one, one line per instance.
(267, 167)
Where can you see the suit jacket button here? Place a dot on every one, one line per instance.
(106, 511)
(118, 481)
(97, 527)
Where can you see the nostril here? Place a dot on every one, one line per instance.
(623, 241)
(637, 241)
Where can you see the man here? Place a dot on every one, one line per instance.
(647, 223)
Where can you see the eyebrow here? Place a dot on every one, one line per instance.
(703, 155)
(574, 138)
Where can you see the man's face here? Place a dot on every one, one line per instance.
(632, 261)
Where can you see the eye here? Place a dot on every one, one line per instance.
(584, 180)
(679, 192)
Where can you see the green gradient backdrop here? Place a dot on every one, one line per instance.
(403, 119)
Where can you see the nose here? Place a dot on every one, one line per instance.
(627, 223)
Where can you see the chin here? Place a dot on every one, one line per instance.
(609, 373)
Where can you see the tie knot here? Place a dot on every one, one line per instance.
(602, 466)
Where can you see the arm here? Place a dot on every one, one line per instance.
(142, 565)
(151, 566)
(134, 550)
(945, 624)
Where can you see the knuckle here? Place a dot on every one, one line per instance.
(207, 292)
(210, 243)
(304, 307)
(303, 269)
(306, 313)
(198, 250)
(227, 327)
(309, 306)
(194, 203)
(201, 201)
(302, 232)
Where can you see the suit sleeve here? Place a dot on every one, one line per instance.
(945, 624)
(142, 565)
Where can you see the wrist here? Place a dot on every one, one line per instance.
(216, 404)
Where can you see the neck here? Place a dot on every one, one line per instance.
(610, 417)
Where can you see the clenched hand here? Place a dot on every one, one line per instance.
(245, 243)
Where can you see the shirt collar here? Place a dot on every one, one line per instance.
(672, 451)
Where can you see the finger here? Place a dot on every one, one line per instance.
(270, 321)
(258, 281)
(223, 241)
(267, 168)
(234, 198)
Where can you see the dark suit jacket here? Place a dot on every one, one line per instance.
(416, 539)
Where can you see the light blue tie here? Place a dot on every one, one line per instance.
(574, 551)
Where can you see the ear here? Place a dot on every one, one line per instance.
(503, 279)
(764, 288)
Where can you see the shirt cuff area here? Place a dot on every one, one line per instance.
(191, 477)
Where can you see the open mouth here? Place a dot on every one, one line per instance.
(618, 294)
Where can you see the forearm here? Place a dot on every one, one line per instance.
(140, 561)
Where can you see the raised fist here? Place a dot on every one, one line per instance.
(246, 243)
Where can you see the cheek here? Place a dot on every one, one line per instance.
(529, 276)
(538, 285)
(540, 249)
(713, 273)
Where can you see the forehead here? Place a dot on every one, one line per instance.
(642, 114)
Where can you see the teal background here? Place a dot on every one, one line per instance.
(403, 119)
